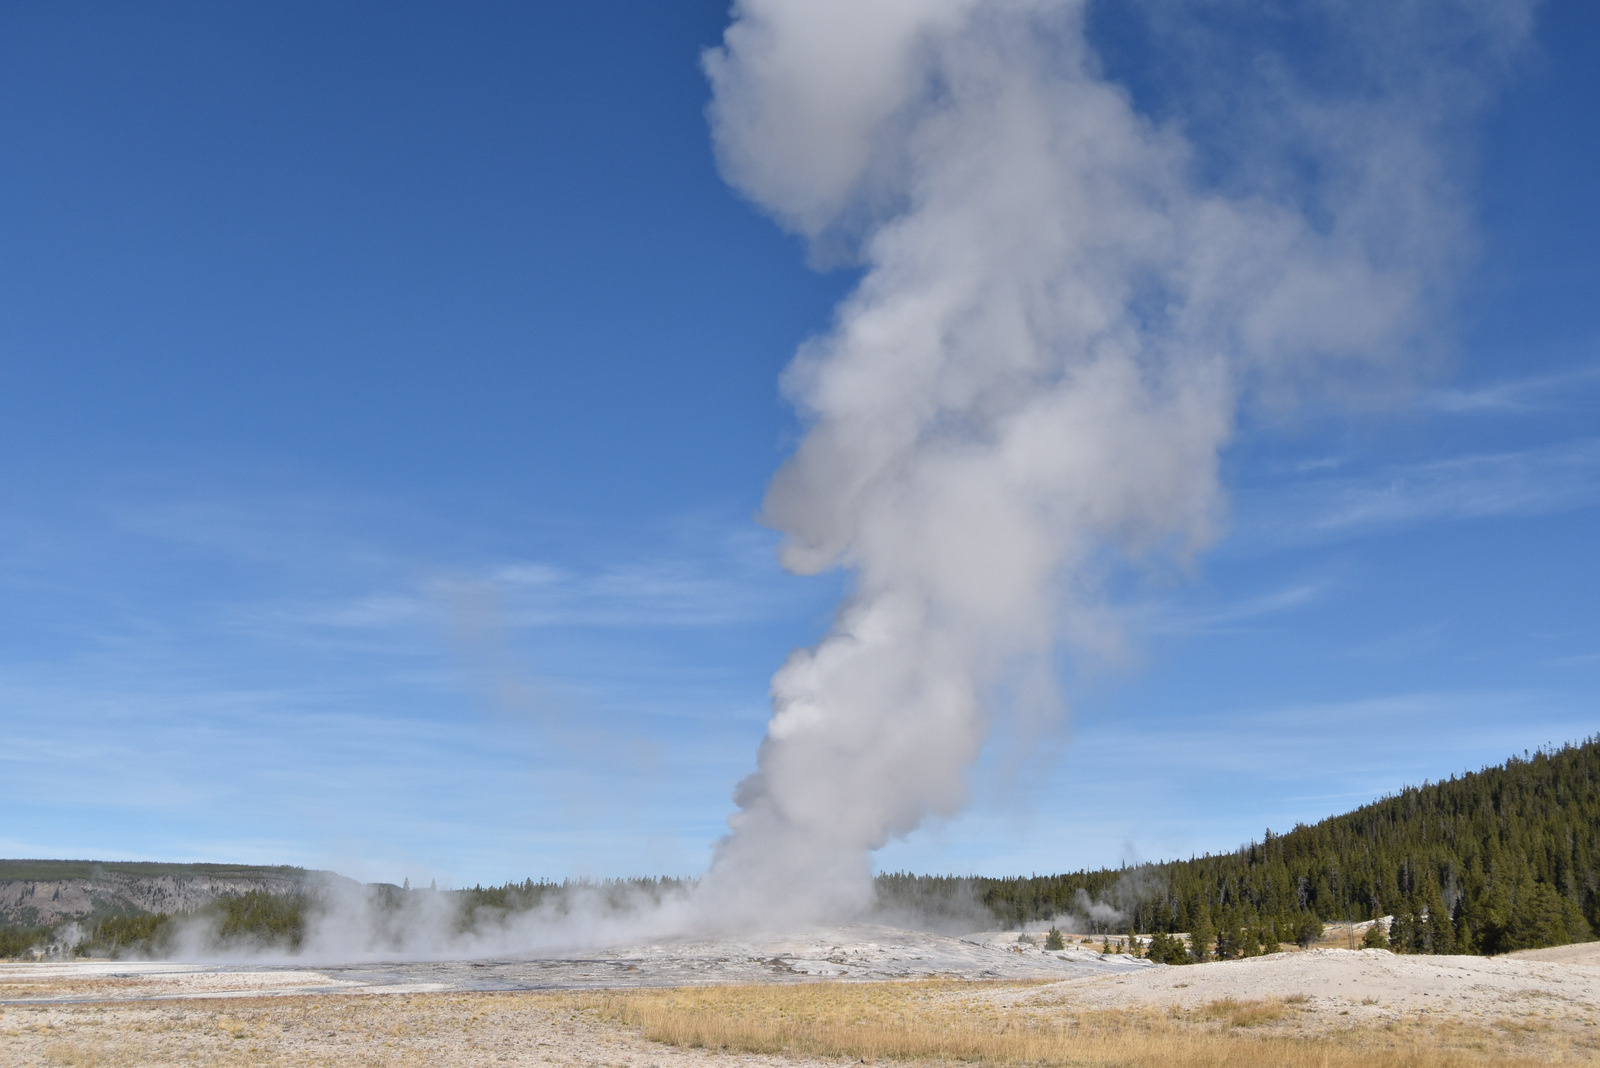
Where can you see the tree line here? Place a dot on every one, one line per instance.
(260, 919)
(1491, 861)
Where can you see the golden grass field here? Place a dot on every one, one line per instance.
(977, 1023)
(930, 1022)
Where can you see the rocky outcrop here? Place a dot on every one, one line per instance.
(104, 888)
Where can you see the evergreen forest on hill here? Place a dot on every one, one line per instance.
(1492, 861)
(1488, 862)
(52, 870)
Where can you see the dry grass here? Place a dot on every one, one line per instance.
(1250, 1013)
(944, 1022)
(966, 1022)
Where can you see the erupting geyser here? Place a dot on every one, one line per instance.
(1064, 304)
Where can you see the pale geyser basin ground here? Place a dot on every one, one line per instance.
(859, 952)
(511, 1010)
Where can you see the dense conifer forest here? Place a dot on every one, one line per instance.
(1501, 859)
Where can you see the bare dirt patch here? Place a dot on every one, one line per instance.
(1369, 985)
(348, 1031)
(1585, 953)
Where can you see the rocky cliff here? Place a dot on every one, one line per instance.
(44, 893)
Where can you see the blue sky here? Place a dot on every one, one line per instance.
(386, 394)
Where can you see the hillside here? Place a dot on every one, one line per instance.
(43, 893)
(1491, 861)
(87, 908)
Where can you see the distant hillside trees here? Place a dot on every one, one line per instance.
(258, 919)
(19, 939)
(1501, 859)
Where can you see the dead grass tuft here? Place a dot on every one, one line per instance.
(1237, 1013)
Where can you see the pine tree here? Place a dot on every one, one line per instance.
(1230, 939)
(1401, 931)
(1201, 938)
(1156, 948)
(1440, 934)
(1307, 930)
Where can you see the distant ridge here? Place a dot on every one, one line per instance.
(41, 870)
(44, 893)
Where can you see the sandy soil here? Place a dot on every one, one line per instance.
(1370, 985)
(1582, 953)
(408, 1029)
(492, 1012)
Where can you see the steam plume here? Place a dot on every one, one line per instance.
(1064, 306)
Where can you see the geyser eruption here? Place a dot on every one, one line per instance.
(1063, 305)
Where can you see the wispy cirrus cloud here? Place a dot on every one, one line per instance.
(730, 587)
(733, 581)
(1529, 481)
(301, 775)
(1235, 616)
(1531, 394)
